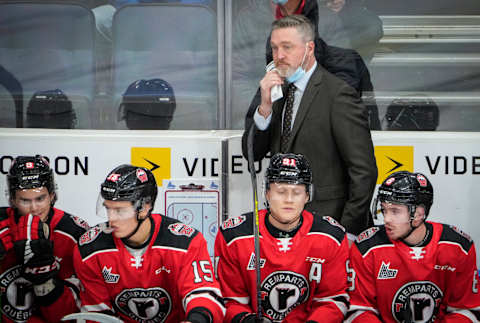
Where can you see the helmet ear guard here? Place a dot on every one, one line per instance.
(310, 192)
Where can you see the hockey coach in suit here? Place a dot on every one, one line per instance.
(321, 117)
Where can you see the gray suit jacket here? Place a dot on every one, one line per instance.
(331, 130)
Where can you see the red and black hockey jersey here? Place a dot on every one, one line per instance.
(393, 282)
(17, 298)
(172, 276)
(303, 278)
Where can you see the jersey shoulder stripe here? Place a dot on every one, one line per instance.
(371, 238)
(94, 240)
(329, 226)
(72, 225)
(236, 227)
(451, 233)
(173, 233)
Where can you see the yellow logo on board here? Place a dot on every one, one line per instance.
(391, 159)
(158, 160)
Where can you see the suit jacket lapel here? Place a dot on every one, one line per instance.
(306, 102)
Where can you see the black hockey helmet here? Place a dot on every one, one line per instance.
(411, 189)
(50, 109)
(412, 114)
(148, 104)
(27, 172)
(130, 183)
(289, 168)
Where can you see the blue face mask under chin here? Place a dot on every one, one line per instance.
(280, 2)
(299, 72)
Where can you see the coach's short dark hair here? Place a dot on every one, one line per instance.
(303, 25)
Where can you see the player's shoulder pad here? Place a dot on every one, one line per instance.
(174, 233)
(372, 237)
(3, 213)
(94, 240)
(328, 225)
(453, 234)
(72, 225)
(238, 226)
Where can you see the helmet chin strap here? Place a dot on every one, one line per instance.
(139, 221)
(412, 210)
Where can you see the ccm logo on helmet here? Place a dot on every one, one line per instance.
(29, 165)
(30, 177)
(384, 192)
(287, 173)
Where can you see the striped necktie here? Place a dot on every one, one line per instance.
(287, 117)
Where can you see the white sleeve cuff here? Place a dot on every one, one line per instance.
(261, 122)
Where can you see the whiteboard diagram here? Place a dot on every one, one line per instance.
(196, 206)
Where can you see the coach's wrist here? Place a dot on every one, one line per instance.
(264, 112)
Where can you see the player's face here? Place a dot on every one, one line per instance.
(122, 218)
(36, 201)
(396, 218)
(286, 204)
(289, 50)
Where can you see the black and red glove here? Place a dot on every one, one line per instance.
(252, 318)
(6, 240)
(34, 250)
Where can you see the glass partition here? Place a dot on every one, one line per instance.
(176, 44)
(422, 58)
(46, 52)
(196, 64)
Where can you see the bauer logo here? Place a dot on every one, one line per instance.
(158, 160)
(391, 159)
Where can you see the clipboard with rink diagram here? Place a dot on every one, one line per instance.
(197, 206)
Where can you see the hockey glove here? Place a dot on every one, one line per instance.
(34, 250)
(199, 315)
(6, 242)
(252, 318)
